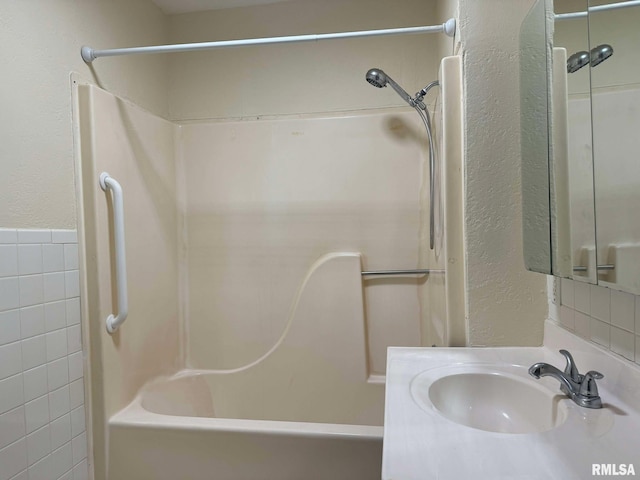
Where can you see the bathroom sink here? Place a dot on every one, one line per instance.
(453, 413)
(489, 399)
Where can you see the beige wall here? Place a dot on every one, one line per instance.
(40, 44)
(266, 198)
(506, 304)
(138, 150)
(299, 78)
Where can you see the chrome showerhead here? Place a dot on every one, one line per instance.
(379, 79)
(576, 61)
(600, 53)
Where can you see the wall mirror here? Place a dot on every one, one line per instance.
(534, 140)
(573, 207)
(594, 145)
(614, 33)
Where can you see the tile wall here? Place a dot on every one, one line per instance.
(607, 317)
(42, 415)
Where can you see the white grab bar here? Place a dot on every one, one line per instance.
(109, 183)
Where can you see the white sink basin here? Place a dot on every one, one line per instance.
(458, 413)
(490, 400)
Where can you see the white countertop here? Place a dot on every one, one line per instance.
(420, 443)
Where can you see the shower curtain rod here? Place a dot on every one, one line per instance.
(89, 54)
(597, 8)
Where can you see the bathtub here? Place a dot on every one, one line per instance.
(307, 409)
(183, 428)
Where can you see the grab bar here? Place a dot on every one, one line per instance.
(109, 183)
(401, 272)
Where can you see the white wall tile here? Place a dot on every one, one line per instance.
(600, 303)
(54, 286)
(637, 315)
(76, 393)
(64, 236)
(8, 235)
(57, 373)
(72, 283)
(79, 448)
(35, 383)
(36, 414)
(38, 444)
(12, 427)
(61, 461)
(601, 333)
(8, 260)
(34, 236)
(73, 311)
(74, 339)
(11, 393)
(41, 469)
(34, 352)
(40, 410)
(56, 345)
(60, 431)
(32, 321)
(59, 402)
(81, 471)
(566, 292)
(623, 343)
(582, 298)
(638, 349)
(623, 310)
(55, 315)
(29, 259)
(9, 326)
(567, 317)
(75, 366)
(24, 475)
(13, 459)
(71, 256)
(10, 360)
(78, 421)
(52, 258)
(9, 293)
(31, 290)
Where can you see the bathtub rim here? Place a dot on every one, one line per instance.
(135, 414)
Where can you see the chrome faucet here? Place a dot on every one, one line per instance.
(582, 389)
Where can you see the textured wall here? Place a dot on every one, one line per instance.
(506, 304)
(40, 44)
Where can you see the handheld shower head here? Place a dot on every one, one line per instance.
(379, 79)
(600, 53)
(576, 61)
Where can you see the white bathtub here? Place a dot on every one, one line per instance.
(176, 429)
(305, 410)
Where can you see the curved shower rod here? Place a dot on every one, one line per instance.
(89, 54)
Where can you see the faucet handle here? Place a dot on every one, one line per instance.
(570, 369)
(588, 387)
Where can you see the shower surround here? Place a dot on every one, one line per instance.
(249, 320)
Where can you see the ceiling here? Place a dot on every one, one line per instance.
(185, 6)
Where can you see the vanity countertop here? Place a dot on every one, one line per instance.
(420, 443)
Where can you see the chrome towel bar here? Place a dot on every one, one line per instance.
(401, 272)
(580, 268)
(109, 183)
